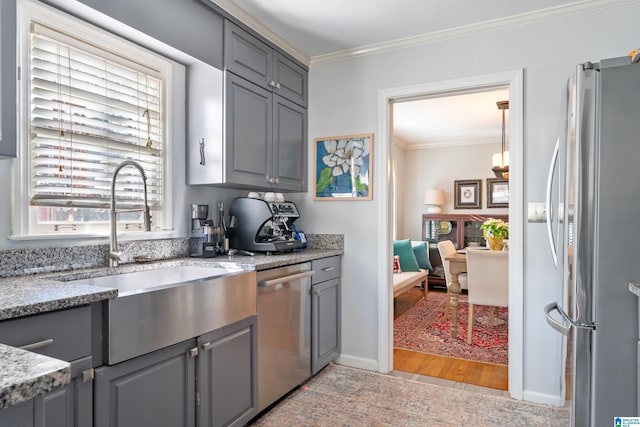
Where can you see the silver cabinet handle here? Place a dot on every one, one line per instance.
(328, 268)
(193, 352)
(88, 375)
(202, 160)
(273, 282)
(36, 345)
(207, 346)
(552, 166)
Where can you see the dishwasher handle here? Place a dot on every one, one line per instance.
(279, 280)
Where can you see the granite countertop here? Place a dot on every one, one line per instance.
(634, 288)
(26, 295)
(25, 374)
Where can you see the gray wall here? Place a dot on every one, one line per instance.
(344, 100)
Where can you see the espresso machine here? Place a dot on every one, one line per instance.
(260, 226)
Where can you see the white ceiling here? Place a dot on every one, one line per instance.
(320, 27)
(313, 30)
(472, 118)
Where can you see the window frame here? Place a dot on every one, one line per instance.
(85, 29)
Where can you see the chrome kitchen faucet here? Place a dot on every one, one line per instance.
(114, 255)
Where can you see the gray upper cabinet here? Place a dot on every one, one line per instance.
(8, 79)
(249, 133)
(254, 60)
(265, 138)
(262, 141)
(290, 148)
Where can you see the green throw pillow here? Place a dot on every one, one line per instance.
(421, 251)
(403, 249)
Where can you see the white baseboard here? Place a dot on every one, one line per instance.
(357, 362)
(543, 398)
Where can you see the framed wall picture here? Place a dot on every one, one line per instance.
(497, 193)
(467, 194)
(344, 167)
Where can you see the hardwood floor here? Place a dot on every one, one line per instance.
(465, 371)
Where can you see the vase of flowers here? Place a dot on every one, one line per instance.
(495, 231)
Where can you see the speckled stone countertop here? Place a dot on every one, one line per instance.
(25, 375)
(634, 288)
(26, 295)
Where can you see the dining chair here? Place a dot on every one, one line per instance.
(488, 282)
(446, 248)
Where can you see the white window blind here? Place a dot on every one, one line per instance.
(91, 109)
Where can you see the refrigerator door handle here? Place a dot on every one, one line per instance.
(562, 327)
(552, 165)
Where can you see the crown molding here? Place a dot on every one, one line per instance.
(241, 15)
(472, 29)
(444, 144)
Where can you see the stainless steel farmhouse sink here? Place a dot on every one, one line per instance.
(160, 307)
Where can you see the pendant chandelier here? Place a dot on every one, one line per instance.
(501, 160)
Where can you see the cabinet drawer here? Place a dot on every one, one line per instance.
(325, 268)
(64, 334)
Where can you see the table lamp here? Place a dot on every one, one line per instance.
(434, 199)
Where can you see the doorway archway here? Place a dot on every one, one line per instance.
(513, 80)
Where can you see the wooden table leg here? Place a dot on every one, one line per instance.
(454, 292)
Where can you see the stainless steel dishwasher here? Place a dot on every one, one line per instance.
(284, 330)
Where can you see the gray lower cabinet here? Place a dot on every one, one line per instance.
(65, 335)
(69, 406)
(265, 138)
(157, 389)
(208, 381)
(325, 312)
(227, 379)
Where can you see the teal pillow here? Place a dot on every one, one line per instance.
(403, 249)
(421, 251)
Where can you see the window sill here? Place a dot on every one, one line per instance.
(122, 237)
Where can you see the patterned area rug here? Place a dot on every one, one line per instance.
(424, 328)
(341, 396)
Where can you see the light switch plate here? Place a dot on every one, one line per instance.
(537, 212)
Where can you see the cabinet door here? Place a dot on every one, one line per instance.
(68, 406)
(71, 405)
(18, 415)
(157, 389)
(8, 79)
(290, 145)
(249, 137)
(290, 79)
(325, 328)
(227, 377)
(246, 56)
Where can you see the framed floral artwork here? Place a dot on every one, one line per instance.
(467, 194)
(343, 167)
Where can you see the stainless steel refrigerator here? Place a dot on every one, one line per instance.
(594, 229)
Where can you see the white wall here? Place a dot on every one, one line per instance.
(439, 167)
(344, 100)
